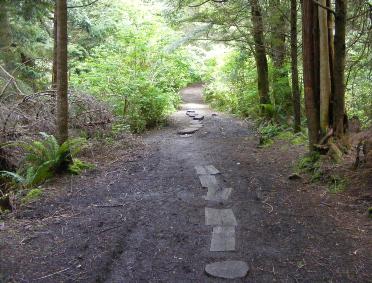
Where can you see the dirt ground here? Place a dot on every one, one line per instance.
(140, 217)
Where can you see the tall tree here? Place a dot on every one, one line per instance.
(294, 69)
(62, 78)
(339, 68)
(310, 76)
(278, 23)
(54, 68)
(260, 52)
(325, 71)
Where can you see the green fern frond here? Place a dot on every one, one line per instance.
(14, 176)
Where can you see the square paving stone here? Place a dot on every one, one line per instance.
(208, 181)
(220, 217)
(200, 170)
(212, 170)
(223, 239)
(218, 194)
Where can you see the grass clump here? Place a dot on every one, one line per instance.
(336, 184)
(310, 164)
(267, 132)
(78, 166)
(32, 195)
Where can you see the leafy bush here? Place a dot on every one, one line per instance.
(43, 159)
(135, 71)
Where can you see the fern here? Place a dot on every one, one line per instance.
(43, 159)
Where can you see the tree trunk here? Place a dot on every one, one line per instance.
(310, 77)
(294, 67)
(5, 36)
(339, 68)
(280, 81)
(325, 74)
(54, 71)
(260, 53)
(62, 79)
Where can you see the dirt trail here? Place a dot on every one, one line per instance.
(144, 221)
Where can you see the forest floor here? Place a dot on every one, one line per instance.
(139, 217)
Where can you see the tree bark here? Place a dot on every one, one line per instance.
(54, 71)
(310, 78)
(62, 79)
(325, 74)
(280, 81)
(5, 36)
(260, 53)
(294, 68)
(339, 68)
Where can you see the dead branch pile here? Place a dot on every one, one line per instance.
(23, 116)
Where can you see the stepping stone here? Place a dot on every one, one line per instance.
(188, 112)
(208, 181)
(206, 170)
(212, 170)
(223, 239)
(198, 117)
(187, 131)
(196, 126)
(230, 269)
(201, 170)
(218, 194)
(219, 217)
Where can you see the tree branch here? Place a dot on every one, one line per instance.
(324, 7)
(82, 6)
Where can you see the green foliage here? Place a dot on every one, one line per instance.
(311, 164)
(32, 195)
(43, 159)
(134, 70)
(78, 166)
(267, 132)
(336, 184)
(232, 84)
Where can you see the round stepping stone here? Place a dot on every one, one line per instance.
(230, 269)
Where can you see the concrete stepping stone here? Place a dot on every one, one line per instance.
(196, 126)
(218, 194)
(208, 181)
(198, 117)
(206, 170)
(188, 112)
(212, 170)
(219, 217)
(230, 269)
(187, 131)
(201, 170)
(223, 239)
